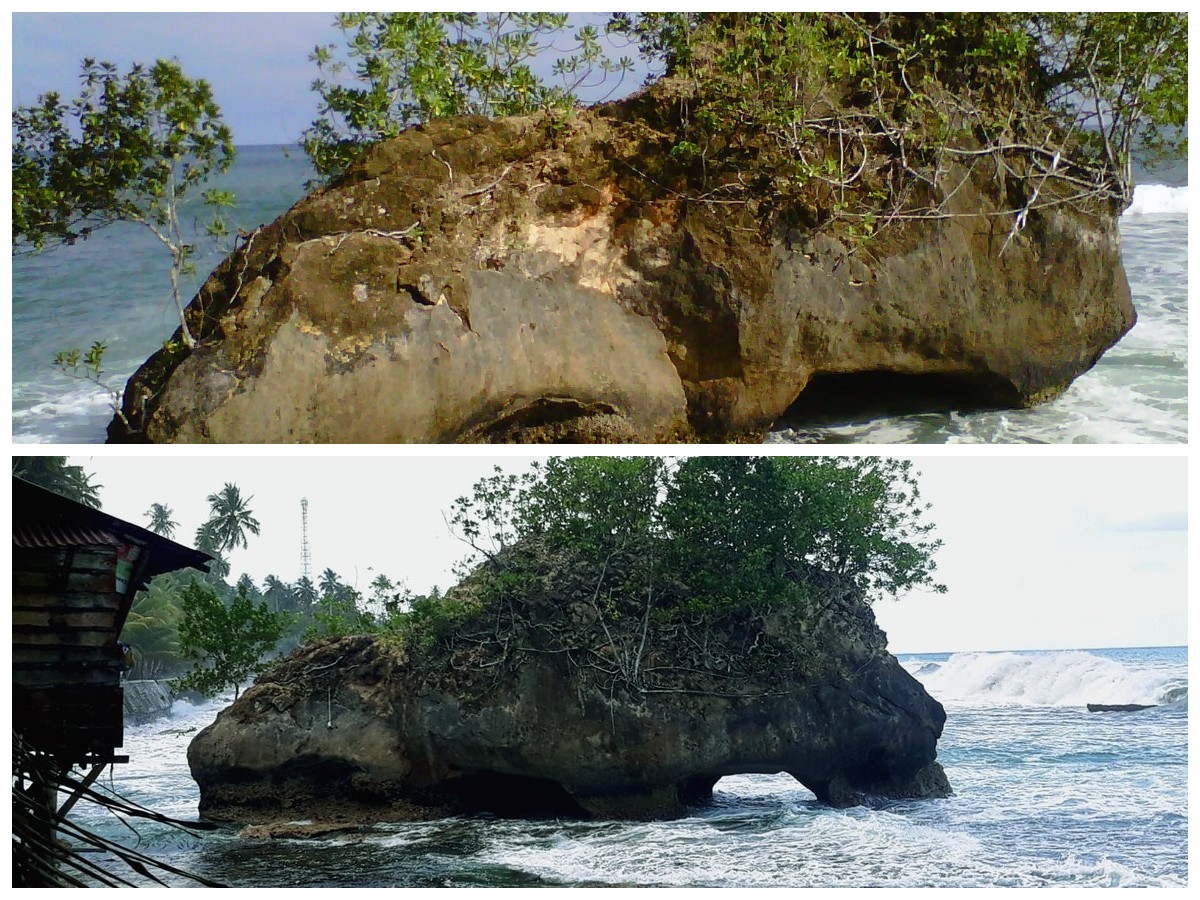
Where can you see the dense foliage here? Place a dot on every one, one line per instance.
(863, 119)
(715, 532)
(226, 641)
(874, 118)
(131, 147)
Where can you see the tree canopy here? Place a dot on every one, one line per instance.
(717, 532)
(227, 642)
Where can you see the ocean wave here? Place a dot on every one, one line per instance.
(1067, 678)
(1158, 200)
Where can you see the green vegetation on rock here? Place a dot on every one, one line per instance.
(715, 532)
(873, 118)
(863, 119)
(401, 68)
(624, 567)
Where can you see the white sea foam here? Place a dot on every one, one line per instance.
(1068, 678)
(1159, 200)
(42, 415)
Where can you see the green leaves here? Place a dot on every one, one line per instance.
(89, 366)
(714, 532)
(114, 152)
(131, 148)
(226, 643)
(829, 117)
(400, 68)
(1120, 80)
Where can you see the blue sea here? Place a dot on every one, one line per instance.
(1045, 794)
(114, 288)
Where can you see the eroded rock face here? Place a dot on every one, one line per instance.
(559, 716)
(499, 281)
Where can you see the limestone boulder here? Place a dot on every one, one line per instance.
(475, 280)
(563, 714)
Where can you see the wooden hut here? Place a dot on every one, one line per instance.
(75, 573)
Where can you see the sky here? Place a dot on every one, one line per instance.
(257, 63)
(1041, 552)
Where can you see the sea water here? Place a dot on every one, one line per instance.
(114, 288)
(1045, 794)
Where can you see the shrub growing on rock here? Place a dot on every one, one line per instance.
(710, 532)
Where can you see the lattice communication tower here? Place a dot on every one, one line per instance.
(305, 552)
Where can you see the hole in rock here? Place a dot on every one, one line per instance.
(516, 796)
(858, 397)
(760, 790)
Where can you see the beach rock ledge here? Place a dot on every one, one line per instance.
(554, 710)
(525, 279)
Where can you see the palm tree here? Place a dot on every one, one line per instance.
(53, 473)
(306, 594)
(246, 586)
(207, 542)
(329, 584)
(229, 519)
(160, 519)
(277, 592)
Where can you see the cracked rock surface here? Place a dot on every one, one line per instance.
(475, 280)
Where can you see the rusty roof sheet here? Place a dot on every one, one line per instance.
(48, 537)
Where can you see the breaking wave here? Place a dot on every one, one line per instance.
(1158, 200)
(1068, 678)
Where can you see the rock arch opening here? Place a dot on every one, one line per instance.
(852, 398)
(749, 787)
(516, 796)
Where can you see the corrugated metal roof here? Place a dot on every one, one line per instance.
(37, 508)
(48, 537)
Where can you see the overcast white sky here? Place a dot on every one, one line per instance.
(1040, 552)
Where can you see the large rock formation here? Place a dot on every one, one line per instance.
(544, 702)
(525, 279)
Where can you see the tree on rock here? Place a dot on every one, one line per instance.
(715, 532)
(131, 147)
(226, 643)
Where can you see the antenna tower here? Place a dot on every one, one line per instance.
(305, 553)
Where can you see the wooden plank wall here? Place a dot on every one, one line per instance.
(66, 663)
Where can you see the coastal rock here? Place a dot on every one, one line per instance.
(506, 280)
(1119, 707)
(549, 714)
